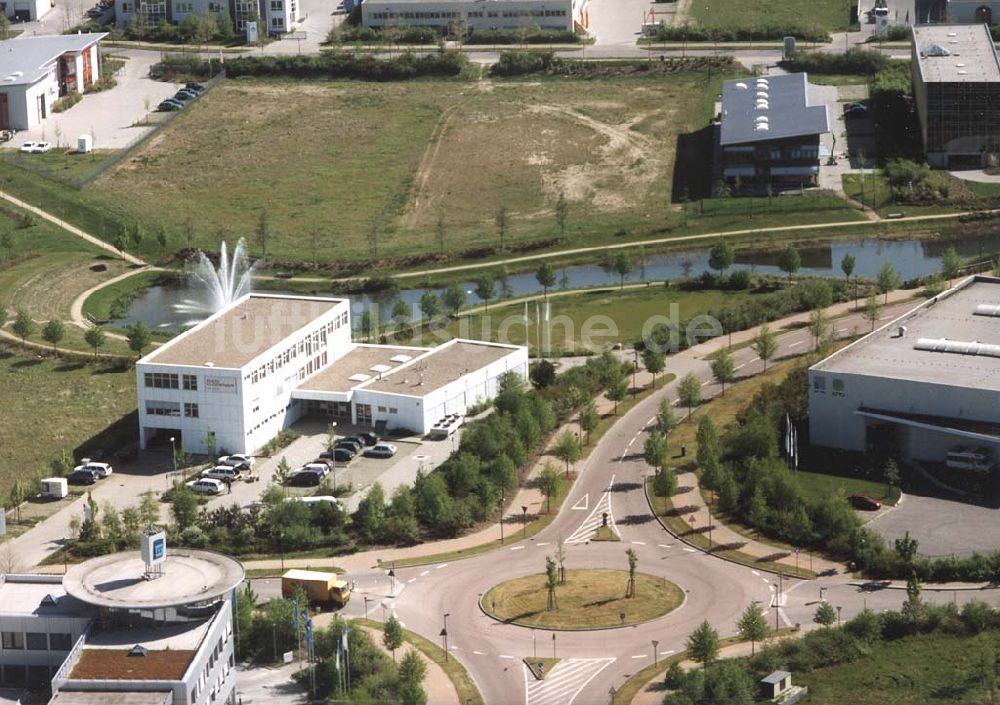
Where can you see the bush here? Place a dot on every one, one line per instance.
(518, 63)
(517, 36)
(67, 102)
(372, 35)
(911, 182)
(695, 33)
(862, 62)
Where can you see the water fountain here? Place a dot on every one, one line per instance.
(218, 286)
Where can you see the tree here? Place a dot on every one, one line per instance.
(149, 509)
(825, 614)
(589, 418)
(666, 420)
(654, 361)
(551, 581)
(913, 606)
(789, 261)
(392, 636)
(765, 344)
(23, 326)
(622, 266)
(723, 368)
(665, 484)
(184, 506)
(4, 26)
(95, 338)
(633, 563)
(3, 315)
(549, 483)
(654, 450)
(161, 239)
(138, 337)
(617, 389)
(441, 231)
(819, 325)
(546, 278)
(847, 266)
(562, 212)
(453, 299)
(951, 264)
(6, 243)
(400, 312)
(906, 548)
(368, 324)
(53, 332)
(486, 290)
(121, 241)
(567, 449)
(411, 677)
(887, 280)
(721, 256)
(18, 494)
(873, 310)
(370, 516)
(689, 392)
(703, 644)
(752, 626)
(502, 220)
(263, 233)
(561, 559)
(430, 305)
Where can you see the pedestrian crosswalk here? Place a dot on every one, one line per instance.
(564, 682)
(585, 532)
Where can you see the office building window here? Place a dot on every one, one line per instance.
(190, 410)
(163, 408)
(37, 641)
(191, 383)
(161, 380)
(60, 642)
(12, 640)
(276, 5)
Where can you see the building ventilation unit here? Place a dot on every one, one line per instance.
(992, 310)
(958, 347)
(935, 50)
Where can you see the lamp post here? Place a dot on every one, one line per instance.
(635, 368)
(503, 499)
(839, 607)
(367, 600)
(553, 644)
(821, 591)
(444, 634)
(655, 645)
(524, 520)
(173, 454)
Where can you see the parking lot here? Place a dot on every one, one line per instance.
(942, 527)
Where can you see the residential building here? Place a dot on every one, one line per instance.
(446, 15)
(769, 133)
(257, 366)
(25, 10)
(956, 87)
(923, 387)
(36, 71)
(272, 16)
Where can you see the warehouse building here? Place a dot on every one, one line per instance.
(450, 15)
(259, 365)
(769, 133)
(972, 11)
(956, 87)
(924, 387)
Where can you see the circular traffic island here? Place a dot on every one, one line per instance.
(589, 599)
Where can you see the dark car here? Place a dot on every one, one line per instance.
(863, 501)
(352, 443)
(369, 439)
(304, 478)
(169, 105)
(194, 86)
(185, 94)
(344, 454)
(855, 110)
(82, 477)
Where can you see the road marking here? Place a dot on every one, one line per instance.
(564, 682)
(424, 573)
(543, 543)
(665, 545)
(510, 658)
(639, 543)
(411, 580)
(586, 529)
(797, 342)
(755, 573)
(585, 501)
(667, 653)
(453, 648)
(443, 565)
(641, 656)
(516, 548)
(756, 359)
(479, 653)
(740, 367)
(689, 550)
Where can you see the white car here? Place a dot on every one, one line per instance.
(322, 468)
(99, 469)
(223, 472)
(237, 460)
(41, 148)
(206, 485)
(28, 147)
(317, 499)
(380, 450)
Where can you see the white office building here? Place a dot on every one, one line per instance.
(25, 10)
(259, 365)
(925, 386)
(475, 14)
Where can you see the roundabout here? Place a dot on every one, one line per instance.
(589, 599)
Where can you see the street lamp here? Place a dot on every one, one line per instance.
(553, 644)
(367, 600)
(444, 635)
(500, 511)
(173, 453)
(839, 607)
(655, 645)
(524, 519)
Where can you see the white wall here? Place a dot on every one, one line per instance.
(22, 101)
(505, 14)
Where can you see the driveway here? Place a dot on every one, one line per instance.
(268, 686)
(943, 527)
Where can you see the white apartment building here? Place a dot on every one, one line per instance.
(257, 366)
(274, 16)
(475, 14)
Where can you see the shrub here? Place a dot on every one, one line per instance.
(518, 63)
(855, 61)
(913, 182)
(517, 36)
(695, 33)
(67, 102)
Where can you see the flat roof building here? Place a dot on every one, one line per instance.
(956, 87)
(769, 133)
(924, 385)
(257, 366)
(472, 15)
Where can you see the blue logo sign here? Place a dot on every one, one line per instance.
(159, 545)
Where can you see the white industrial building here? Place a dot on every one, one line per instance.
(275, 16)
(25, 10)
(446, 15)
(926, 385)
(35, 72)
(260, 364)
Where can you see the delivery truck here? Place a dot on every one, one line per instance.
(321, 588)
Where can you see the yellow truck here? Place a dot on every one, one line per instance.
(324, 588)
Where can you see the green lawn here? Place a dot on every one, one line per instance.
(60, 164)
(831, 15)
(918, 670)
(818, 485)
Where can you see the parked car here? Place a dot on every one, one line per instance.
(855, 110)
(82, 477)
(321, 467)
(381, 450)
(100, 469)
(237, 460)
(863, 501)
(304, 478)
(194, 86)
(342, 454)
(352, 443)
(185, 94)
(368, 438)
(327, 462)
(318, 499)
(41, 147)
(169, 105)
(206, 485)
(26, 147)
(223, 472)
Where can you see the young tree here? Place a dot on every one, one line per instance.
(723, 368)
(666, 419)
(95, 338)
(752, 626)
(873, 310)
(765, 344)
(567, 449)
(825, 614)
(951, 264)
(486, 290)
(551, 582)
(622, 266)
(689, 392)
(149, 509)
(887, 280)
(370, 516)
(589, 418)
(411, 677)
(633, 564)
(549, 483)
(368, 324)
(913, 606)
(617, 389)
(890, 473)
(453, 299)
(561, 559)
(546, 278)
(847, 264)
(906, 548)
(138, 337)
(665, 484)
(819, 325)
(184, 506)
(53, 332)
(400, 313)
(24, 326)
(430, 305)
(121, 241)
(562, 212)
(161, 239)
(654, 361)
(502, 220)
(721, 256)
(709, 445)
(789, 261)
(392, 636)
(262, 233)
(703, 644)
(654, 450)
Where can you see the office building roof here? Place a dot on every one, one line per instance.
(950, 340)
(38, 595)
(124, 664)
(27, 60)
(361, 364)
(235, 336)
(956, 53)
(106, 697)
(769, 108)
(441, 365)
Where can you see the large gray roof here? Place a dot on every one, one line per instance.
(956, 53)
(27, 60)
(769, 108)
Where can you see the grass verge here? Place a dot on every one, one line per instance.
(540, 667)
(605, 533)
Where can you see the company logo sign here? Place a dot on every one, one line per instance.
(220, 385)
(159, 548)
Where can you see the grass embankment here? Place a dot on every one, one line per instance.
(98, 305)
(465, 687)
(539, 666)
(591, 598)
(874, 190)
(833, 16)
(62, 164)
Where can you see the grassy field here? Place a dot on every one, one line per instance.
(918, 670)
(590, 599)
(832, 15)
(59, 164)
(52, 406)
